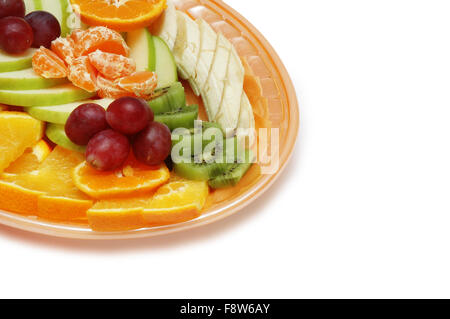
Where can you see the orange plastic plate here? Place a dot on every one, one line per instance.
(283, 113)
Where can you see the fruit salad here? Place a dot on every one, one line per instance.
(95, 124)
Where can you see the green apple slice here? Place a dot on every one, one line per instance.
(207, 50)
(187, 47)
(142, 49)
(212, 93)
(58, 114)
(230, 107)
(61, 9)
(166, 27)
(165, 67)
(14, 62)
(61, 94)
(246, 117)
(57, 135)
(26, 80)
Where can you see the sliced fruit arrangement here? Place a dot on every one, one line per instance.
(99, 113)
(211, 65)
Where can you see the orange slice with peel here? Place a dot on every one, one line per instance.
(48, 64)
(18, 131)
(49, 191)
(120, 15)
(133, 179)
(177, 201)
(117, 214)
(13, 197)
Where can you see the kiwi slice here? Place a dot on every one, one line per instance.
(168, 99)
(192, 136)
(180, 117)
(200, 171)
(233, 174)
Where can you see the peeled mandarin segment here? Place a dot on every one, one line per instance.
(65, 49)
(30, 160)
(48, 65)
(103, 39)
(18, 131)
(112, 66)
(142, 84)
(133, 179)
(117, 214)
(176, 202)
(83, 74)
(110, 89)
(120, 15)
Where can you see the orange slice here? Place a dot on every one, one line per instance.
(117, 214)
(65, 49)
(83, 74)
(110, 89)
(134, 178)
(59, 198)
(15, 198)
(18, 131)
(176, 202)
(112, 66)
(48, 65)
(141, 84)
(100, 38)
(120, 15)
(30, 160)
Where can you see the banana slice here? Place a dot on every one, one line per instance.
(230, 106)
(212, 93)
(207, 50)
(167, 27)
(246, 124)
(187, 48)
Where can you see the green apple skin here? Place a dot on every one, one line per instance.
(61, 94)
(142, 49)
(165, 67)
(26, 80)
(58, 114)
(57, 135)
(9, 63)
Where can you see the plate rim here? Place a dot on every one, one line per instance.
(55, 229)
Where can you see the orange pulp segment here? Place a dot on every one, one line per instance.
(134, 179)
(65, 49)
(100, 38)
(119, 15)
(110, 89)
(142, 84)
(83, 74)
(112, 66)
(48, 64)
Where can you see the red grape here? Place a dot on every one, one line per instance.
(107, 150)
(12, 8)
(84, 122)
(45, 26)
(129, 115)
(152, 146)
(16, 35)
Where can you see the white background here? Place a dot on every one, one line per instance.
(363, 208)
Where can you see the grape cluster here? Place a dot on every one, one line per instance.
(19, 32)
(107, 133)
